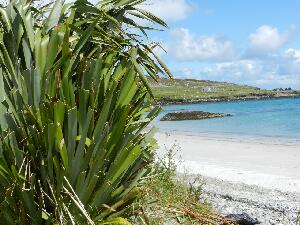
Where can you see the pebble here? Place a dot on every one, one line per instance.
(270, 207)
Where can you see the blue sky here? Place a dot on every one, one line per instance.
(256, 42)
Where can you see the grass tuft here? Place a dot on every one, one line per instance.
(167, 197)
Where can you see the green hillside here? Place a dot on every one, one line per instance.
(169, 91)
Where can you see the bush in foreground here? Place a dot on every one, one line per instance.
(73, 98)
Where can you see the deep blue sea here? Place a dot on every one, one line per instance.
(274, 119)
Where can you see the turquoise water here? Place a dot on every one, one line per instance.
(279, 119)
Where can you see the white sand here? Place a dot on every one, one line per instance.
(266, 163)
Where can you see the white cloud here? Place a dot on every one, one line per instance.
(184, 46)
(281, 71)
(169, 10)
(274, 81)
(292, 53)
(267, 39)
(240, 70)
(262, 64)
(290, 64)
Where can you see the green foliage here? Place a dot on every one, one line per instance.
(74, 94)
(172, 198)
(203, 90)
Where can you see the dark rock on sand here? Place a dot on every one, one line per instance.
(242, 219)
(191, 115)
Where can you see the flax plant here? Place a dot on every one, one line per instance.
(75, 101)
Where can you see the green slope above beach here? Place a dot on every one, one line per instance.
(181, 91)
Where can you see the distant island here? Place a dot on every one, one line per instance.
(186, 91)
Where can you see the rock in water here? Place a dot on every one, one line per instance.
(242, 219)
(191, 115)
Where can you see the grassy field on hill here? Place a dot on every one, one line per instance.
(189, 90)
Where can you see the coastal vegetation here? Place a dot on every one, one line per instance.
(73, 148)
(172, 198)
(74, 94)
(184, 91)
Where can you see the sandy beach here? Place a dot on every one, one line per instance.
(259, 177)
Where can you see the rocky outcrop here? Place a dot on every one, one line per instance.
(191, 115)
(184, 101)
(242, 219)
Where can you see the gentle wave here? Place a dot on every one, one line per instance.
(275, 120)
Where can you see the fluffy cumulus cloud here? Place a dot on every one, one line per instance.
(235, 71)
(185, 46)
(169, 10)
(292, 53)
(267, 39)
(281, 71)
(262, 63)
(290, 65)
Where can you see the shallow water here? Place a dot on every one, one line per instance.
(277, 119)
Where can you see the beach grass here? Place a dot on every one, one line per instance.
(168, 198)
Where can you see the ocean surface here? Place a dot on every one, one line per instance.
(277, 119)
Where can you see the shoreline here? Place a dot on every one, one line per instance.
(260, 179)
(233, 137)
(182, 101)
(237, 160)
(269, 206)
